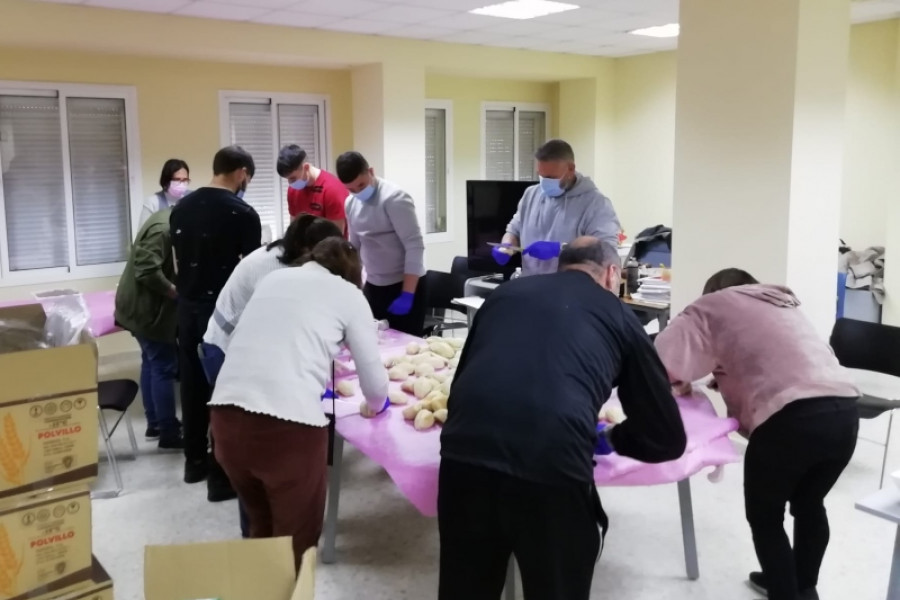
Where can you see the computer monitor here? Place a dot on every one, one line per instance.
(490, 205)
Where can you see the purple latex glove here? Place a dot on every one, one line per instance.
(603, 446)
(387, 403)
(329, 394)
(543, 250)
(402, 305)
(501, 257)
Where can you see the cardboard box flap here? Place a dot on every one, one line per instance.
(306, 581)
(46, 373)
(236, 570)
(33, 314)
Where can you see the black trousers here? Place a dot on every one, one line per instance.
(796, 457)
(193, 317)
(485, 516)
(380, 298)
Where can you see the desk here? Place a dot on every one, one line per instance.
(886, 505)
(659, 310)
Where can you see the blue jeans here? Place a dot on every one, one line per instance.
(211, 359)
(159, 367)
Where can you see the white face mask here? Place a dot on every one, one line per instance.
(177, 189)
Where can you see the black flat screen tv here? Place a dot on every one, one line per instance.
(489, 207)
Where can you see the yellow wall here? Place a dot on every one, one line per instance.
(467, 95)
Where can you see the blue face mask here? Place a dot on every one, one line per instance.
(240, 194)
(298, 185)
(551, 187)
(366, 194)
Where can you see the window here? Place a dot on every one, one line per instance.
(262, 124)
(438, 125)
(512, 134)
(68, 175)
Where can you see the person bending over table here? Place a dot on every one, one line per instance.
(301, 236)
(267, 418)
(384, 228)
(793, 401)
(565, 205)
(517, 475)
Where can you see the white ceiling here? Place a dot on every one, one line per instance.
(598, 28)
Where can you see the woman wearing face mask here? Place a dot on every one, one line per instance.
(173, 183)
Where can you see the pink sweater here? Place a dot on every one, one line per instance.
(762, 351)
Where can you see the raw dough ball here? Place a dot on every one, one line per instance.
(436, 361)
(440, 377)
(445, 387)
(440, 415)
(398, 373)
(413, 348)
(424, 370)
(410, 411)
(453, 362)
(442, 349)
(422, 387)
(433, 339)
(398, 397)
(456, 343)
(612, 414)
(424, 420)
(407, 386)
(408, 367)
(438, 402)
(345, 388)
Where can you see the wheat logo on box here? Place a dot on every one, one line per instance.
(10, 565)
(13, 455)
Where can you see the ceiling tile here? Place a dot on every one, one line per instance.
(409, 14)
(273, 4)
(420, 32)
(465, 21)
(340, 8)
(557, 33)
(361, 26)
(289, 18)
(62, 1)
(520, 27)
(473, 37)
(581, 16)
(160, 6)
(457, 5)
(217, 10)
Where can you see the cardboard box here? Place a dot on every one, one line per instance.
(45, 545)
(260, 569)
(48, 411)
(100, 587)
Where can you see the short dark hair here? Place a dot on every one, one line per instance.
(231, 159)
(597, 252)
(290, 158)
(727, 278)
(171, 166)
(555, 150)
(338, 256)
(350, 165)
(304, 232)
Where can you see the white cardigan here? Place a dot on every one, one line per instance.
(279, 359)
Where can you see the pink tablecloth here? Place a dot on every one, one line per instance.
(101, 305)
(412, 458)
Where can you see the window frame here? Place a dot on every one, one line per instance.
(323, 101)
(447, 107)
(63, 91)
(517, 108)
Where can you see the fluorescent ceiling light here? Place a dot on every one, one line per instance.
(524, 9)
(660, 31)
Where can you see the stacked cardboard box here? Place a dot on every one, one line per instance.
(48, 456)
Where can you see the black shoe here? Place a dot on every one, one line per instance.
(152, 434)
(195, 471)
(757, 582)
(171, 442)
(220, 493)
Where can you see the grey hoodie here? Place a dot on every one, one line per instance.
(581, 210)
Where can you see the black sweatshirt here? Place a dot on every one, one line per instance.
(543, 355)
(212, 229)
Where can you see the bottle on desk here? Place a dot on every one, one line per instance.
(516, 274)
(632, 276)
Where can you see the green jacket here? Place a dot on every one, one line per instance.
(143, 304)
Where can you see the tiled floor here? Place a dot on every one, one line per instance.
(386, 550)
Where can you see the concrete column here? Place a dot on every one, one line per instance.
(389, 123)
(759, 145)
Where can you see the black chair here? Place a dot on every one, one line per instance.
(116, 396)
(870, 347)
(440, 290)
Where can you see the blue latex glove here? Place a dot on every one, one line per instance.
(500, 257)
(402, 305)
(543, 250)
(329, 394)
(603, 445)
(387, 403)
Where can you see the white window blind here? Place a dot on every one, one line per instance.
(511, 137)
(532, 134)
(262, 126)
(435, 170)
(98, 155)
(33, 192)
(500, 143)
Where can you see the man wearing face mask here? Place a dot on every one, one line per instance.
(517, 473)
(564, 206)
(384, 228)
(212, 229)
(310, 189)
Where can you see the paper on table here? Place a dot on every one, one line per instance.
(475, 302)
